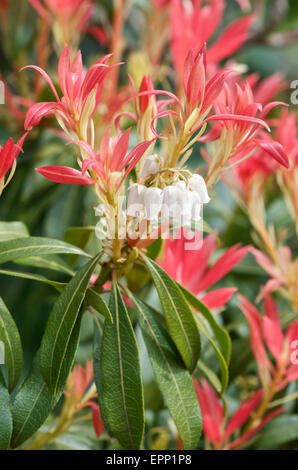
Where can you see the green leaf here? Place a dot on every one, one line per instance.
(9, 334)
(34, 277)
(220, 333)
(180, 318)
(173, 379)
(34, 401)
(279, 431)
(52, 262)
(60, 325)
(97, 342)
(97, 302)
(211, 376)
(6, 418)
(121, 388)
(11, 230)
(32, 246)
(78, 236)
(223, 354)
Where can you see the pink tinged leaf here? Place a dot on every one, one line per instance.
(292, 340)
(244, 4)
(211, 429)
(64, 174)
(214, 87)
(231, 39)
(276, 151)
(243, 413)
(223, 266)
(99, 34)
(120, 115)
(292, 332)
(120, 150)
(192, 280)
(271, 310)
(37, 112)
(268, 88)
(292, 372)
(88, 149)
(45, 76)
(97, 419)
(255, 323)
(64, 69)
(135, 155)
(250, 433)
(6, 157)
(238, 117)
(146, 85)
(264, 261)
(214, 406)
(268, 107)
(162, 114)
(95, 76)
(218, 297)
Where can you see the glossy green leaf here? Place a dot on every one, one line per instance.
(34, 401)
(220, 333)
(224, 351)
(180, 318)
(5, 418)
(60, 325)
(32, 246)
(52, 262)
(121, 384)
(9, 334)
(11, 230)
(34, 277)
(97, 302)
(173, 379)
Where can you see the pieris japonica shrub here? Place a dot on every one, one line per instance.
(139, 181)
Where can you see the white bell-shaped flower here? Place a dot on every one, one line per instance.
(197, 184)
(186, 202)
(196, 208)
(181, 185)
(170, 206)
(135, 201)
(153, 198)
(150, 166)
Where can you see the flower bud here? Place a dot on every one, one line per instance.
(150, 166)
(197, 184)
(153, 198)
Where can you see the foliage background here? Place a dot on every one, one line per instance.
(48, 209)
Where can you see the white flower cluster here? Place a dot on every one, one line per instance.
(175, 203)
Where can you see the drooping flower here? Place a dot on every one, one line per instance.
(190, 268)
(218, 429)
(178, 203)
(8, 155)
